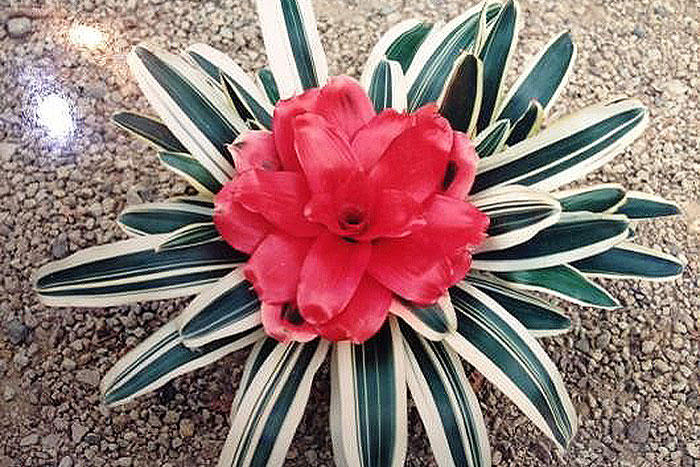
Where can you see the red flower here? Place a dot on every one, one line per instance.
(341, 209)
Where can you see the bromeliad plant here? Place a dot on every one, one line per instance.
(396, 224)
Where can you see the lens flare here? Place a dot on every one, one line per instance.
(86, 36)
(55, 113)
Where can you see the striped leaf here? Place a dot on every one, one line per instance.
(640, 205)
(562, 281)
(433, 62)
(538, 316)
(165, 217)
(267, 82)
(566, 150)
(516, 215)
(132, 271)
(247, 97)
(190, 235)
(399, 44)
(461, 98)
(629, 261)
(294, 51)
(257, 356)
(446, 403)
(201, 201)
(598, 198)
(528, 125)
(495, 54)
(272, 406)
(191, 170)
(433, 322)
(368, 401)
(501, 349)
(575, 236)
(149, 129)
(197, 113)
(162, 357)
(228, 307)
(491, 140)
(386, 88)
(542, 80)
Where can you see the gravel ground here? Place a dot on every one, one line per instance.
(632, 372)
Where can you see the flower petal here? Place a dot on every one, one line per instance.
(274, 267)
(285, 113)
(241, 228)
(325, 156)
(280, 322)
(363, 316)
(416, 160)
(394, 214)
(345, 104)
(422, 266)
(256, 151)
(329, 277)
(371, 142)
(461, 168)
(279, 197)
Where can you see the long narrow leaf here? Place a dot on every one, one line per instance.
(132, 270)
(149, 129)
(162, 357)
(368, 399)
(191, 170)
(502, 350)
(563, 281)
(435, 57)
(272, 406)
(190, 235)
(527, 125)
(542, 80)
(267, 82)
(196, 112)
(629, 261)
(386, 88)
(491, 140)
(599, 198)
(461, 98)
(399, 44)
(294, 50)
(567, 149)
(575, 236)
(640, 205)
(164, 217)
(495, 54)
(433, 322)
(516, 215)
(446, 403)
(228, 307)
(538, 316)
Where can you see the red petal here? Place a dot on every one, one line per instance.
(329, 277)
(394, 214)
(422, 266)
(416, 160)
(278, 326)
(461, 168)
(456, 223)
(256, 151)
(282, 130)
(324, 155)
(279, 197)
(241, 228)
(363, 316)
(372, 141)
(344, 103)
(274, 267)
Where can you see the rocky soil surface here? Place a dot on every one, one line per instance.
(633, 372)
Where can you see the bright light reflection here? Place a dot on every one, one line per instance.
(86, 36)
(55, 113)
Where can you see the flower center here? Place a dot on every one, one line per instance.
(352, 220)
(290, 313)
